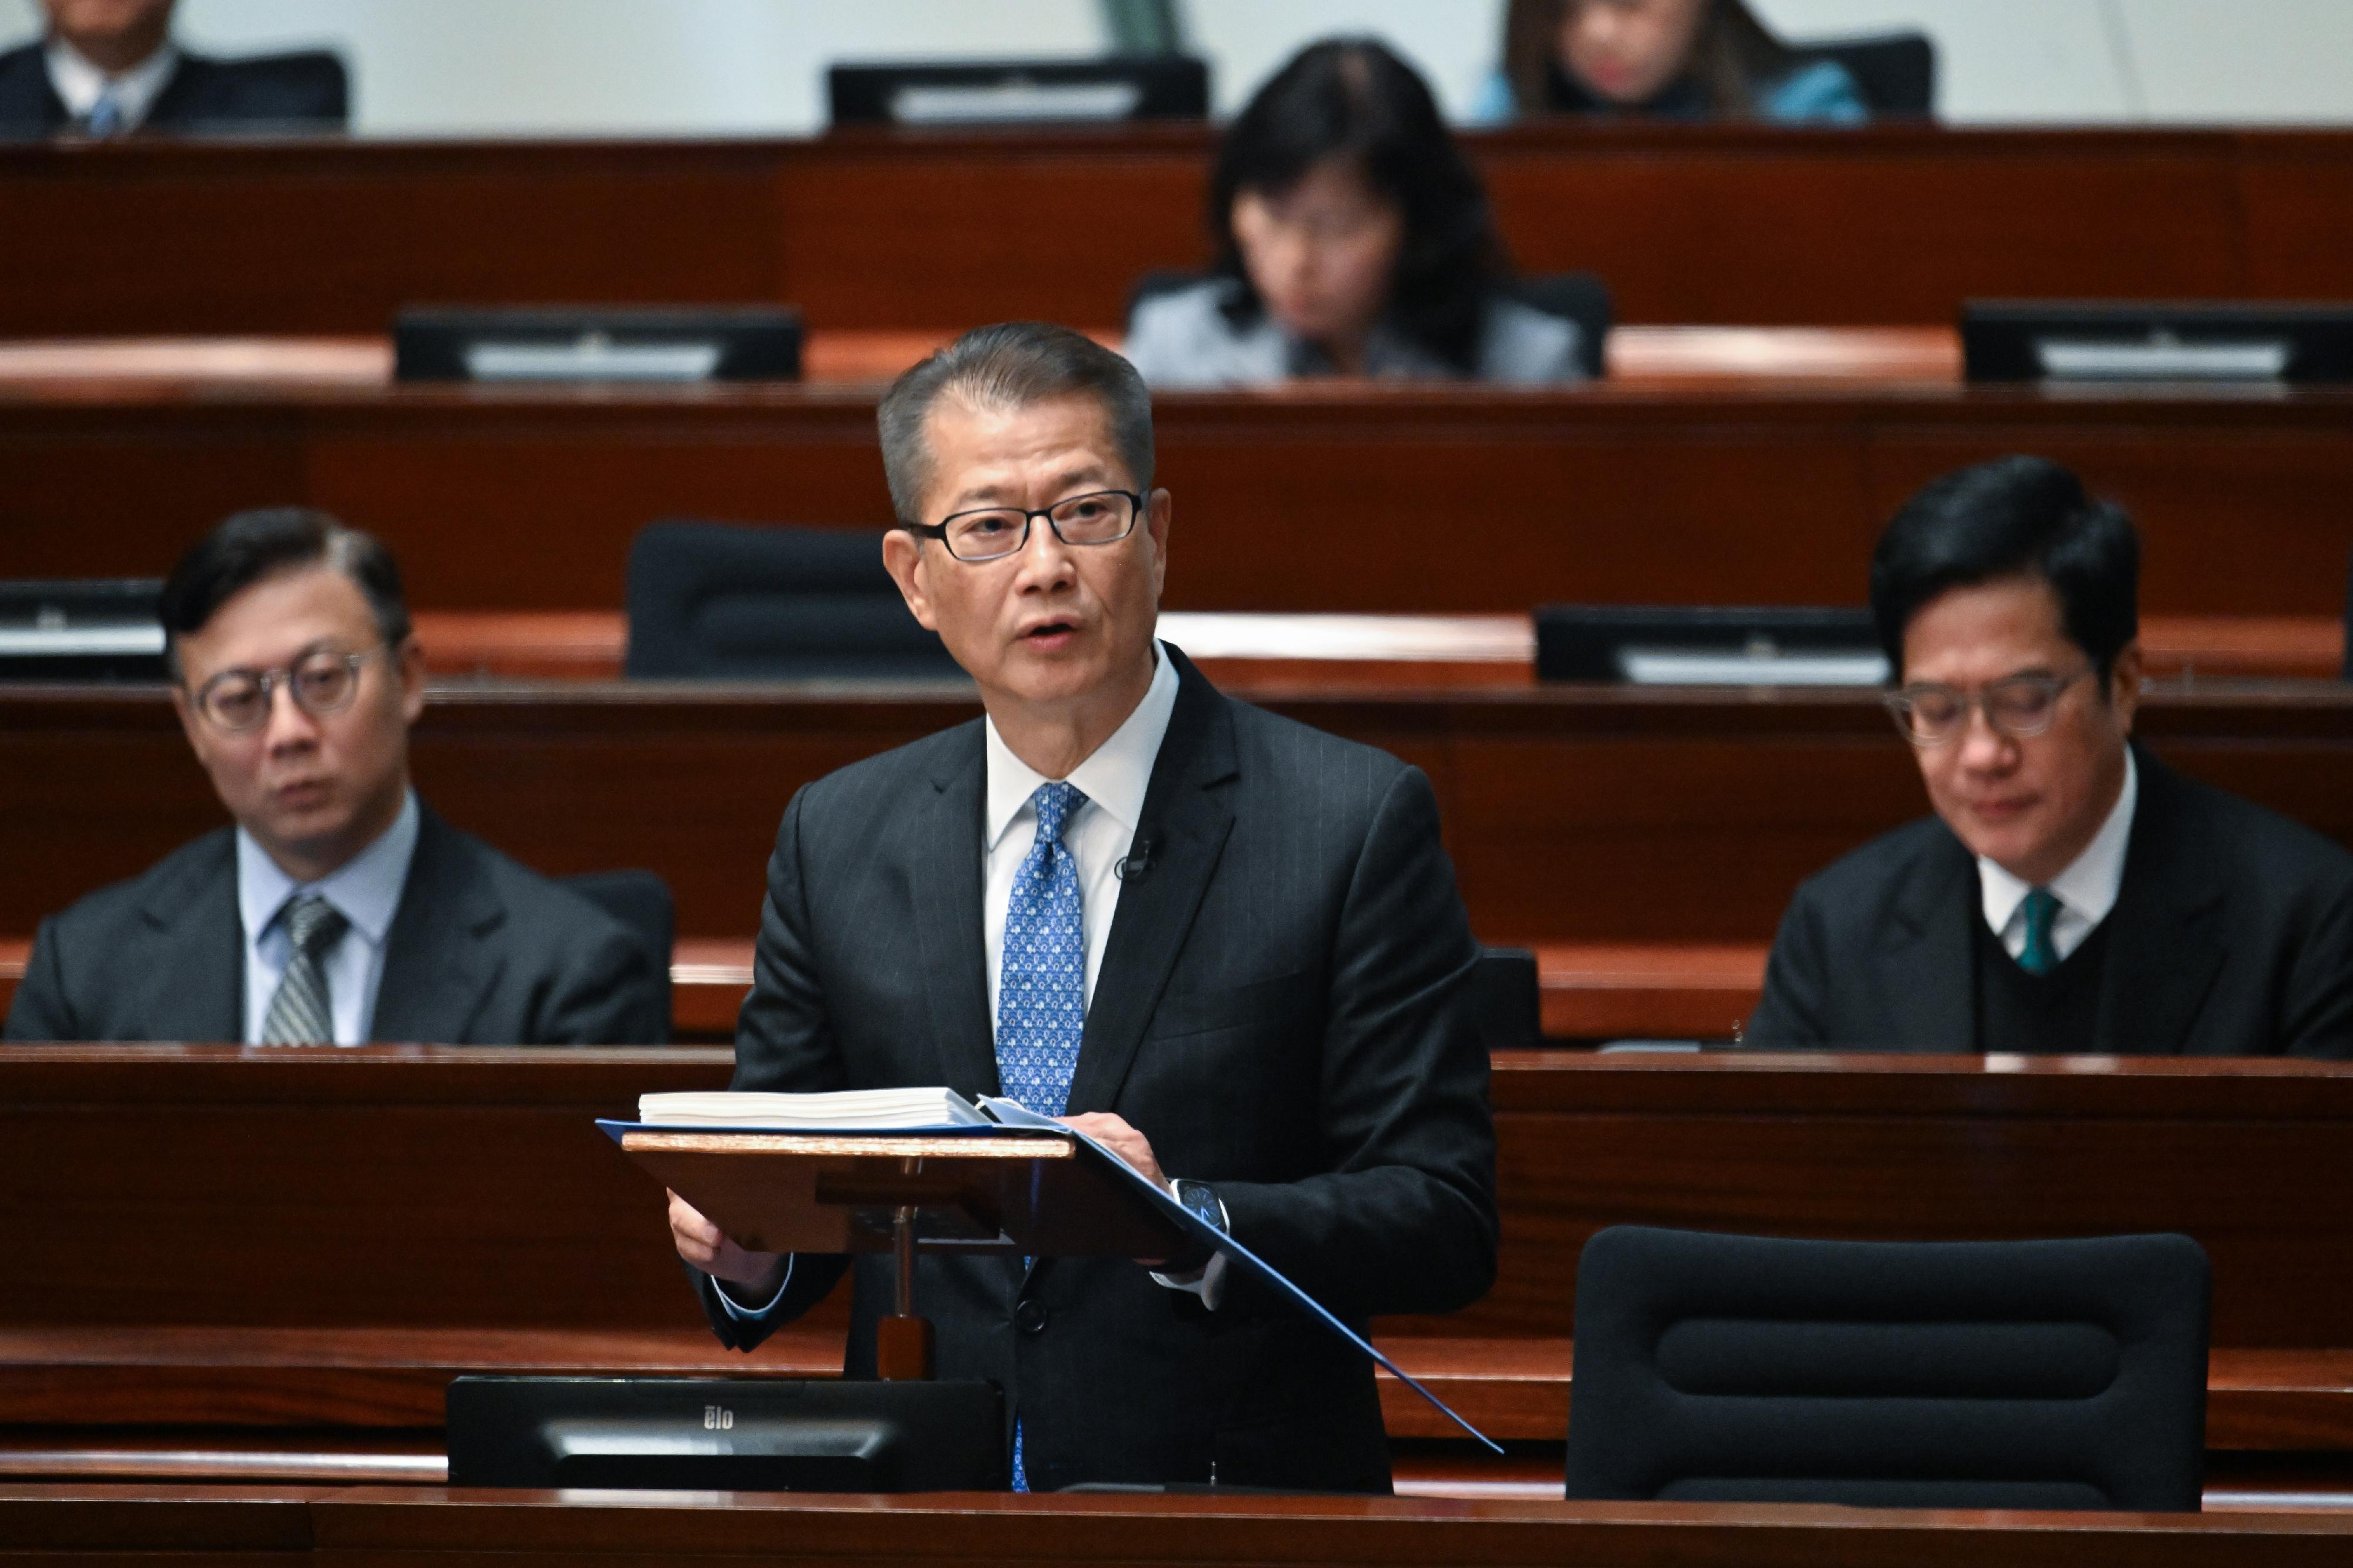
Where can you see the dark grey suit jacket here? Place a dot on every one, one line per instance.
(298, 91)
(482, 952)
(2231, 935)
(1279, 1009)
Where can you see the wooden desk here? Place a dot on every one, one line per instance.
(1241, 649)
(1715, 802)
(1366, 499)
(292, 1526)
(1891, 225)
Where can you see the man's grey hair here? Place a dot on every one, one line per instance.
(1011, 365)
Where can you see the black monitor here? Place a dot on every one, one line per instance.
(572, 343)
(1105, 90)
(727, 1434)
(105, 629)
(2058, 339)
(1649, 645)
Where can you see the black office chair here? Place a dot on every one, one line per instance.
(2021, 1375)
(716, 602)
(641, 901)
(1579, 296)
(1895, 72)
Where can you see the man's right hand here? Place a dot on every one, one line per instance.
(755, 1277)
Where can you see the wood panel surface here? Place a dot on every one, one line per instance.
(1362, 498)
(97, 1522)
(415, 1188)
(1735, 224)
(1574, 814)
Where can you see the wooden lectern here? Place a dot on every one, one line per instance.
(1039, 1193)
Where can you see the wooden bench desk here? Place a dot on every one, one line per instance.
(1715, 802)
(1891, 225)
(1332, 498)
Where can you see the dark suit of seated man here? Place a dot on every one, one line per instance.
(108, 67)
(2071, 894)
(1229, 946)
(339, 908)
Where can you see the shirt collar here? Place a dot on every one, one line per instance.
(1114, 776)
(366, 890)
(79, 82)
(2089, 884)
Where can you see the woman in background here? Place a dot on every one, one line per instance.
(1353, 238)
(1675, 59)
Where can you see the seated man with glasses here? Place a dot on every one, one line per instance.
(2073, 893)
(339, 908)
(1227, 945)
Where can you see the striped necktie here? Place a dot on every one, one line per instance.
(303, 1014)
(1041, 994)
(2039, 956)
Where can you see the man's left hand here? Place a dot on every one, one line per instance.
(1115, 1134)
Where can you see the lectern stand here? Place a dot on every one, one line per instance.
(985, 1189)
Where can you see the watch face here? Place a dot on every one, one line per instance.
(1198, 1197)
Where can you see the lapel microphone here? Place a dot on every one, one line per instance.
(1136, 864)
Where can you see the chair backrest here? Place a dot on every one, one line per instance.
(641, 901)
(1579, 296)
(718, 602)
(1507, 999)
(1895, 72)
(2030, 1374)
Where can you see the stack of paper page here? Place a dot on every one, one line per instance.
(861, 1109)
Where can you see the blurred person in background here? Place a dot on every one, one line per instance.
(1352, 238)
(109, 67)
(1668, 59)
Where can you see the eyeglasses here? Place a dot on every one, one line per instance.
(321, 681)
(2017, 705)
(1099, 517)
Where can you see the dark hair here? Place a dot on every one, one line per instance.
(252, 545)
(1352, 100)
(2011, 517)
(1732, 52)
(1012, 364)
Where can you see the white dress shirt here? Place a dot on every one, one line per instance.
(1099, 836)
(79, 82)
(2087, 890)
(365, 891)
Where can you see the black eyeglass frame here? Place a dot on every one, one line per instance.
(269, 681)
(939, 530)
(1901, 702)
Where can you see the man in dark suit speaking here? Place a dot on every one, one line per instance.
(2073, 893)
(1225, 945)
(339, 908)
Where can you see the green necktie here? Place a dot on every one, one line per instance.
(2038, 956)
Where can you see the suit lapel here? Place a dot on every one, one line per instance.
(945, 874)
(437, 970)
(198, 971)
(1931, 962)
(1187, 820)
(2165, 944)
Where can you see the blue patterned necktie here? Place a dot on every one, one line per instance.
(1041, 993)
(105, 115)
(303, 1013)
(2039, 956)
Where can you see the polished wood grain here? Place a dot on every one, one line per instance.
(1331, 498)
(1555, 799)
(1241, 649)
(409, 1187)
(100, 1522)
(935, 231)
